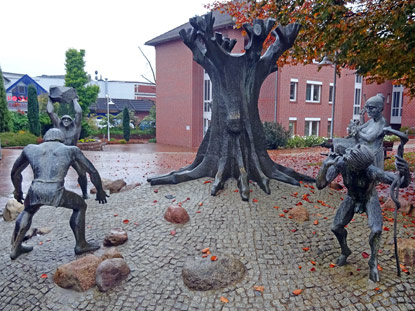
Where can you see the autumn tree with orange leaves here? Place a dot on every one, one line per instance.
(374, 37)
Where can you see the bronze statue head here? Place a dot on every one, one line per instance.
(54, 134)
(66, 120)
(374, 105)
(359, 157)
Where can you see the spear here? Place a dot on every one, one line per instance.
(394, 190)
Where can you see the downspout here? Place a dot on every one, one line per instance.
(276, 96)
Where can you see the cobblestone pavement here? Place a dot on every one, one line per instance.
(271, 245)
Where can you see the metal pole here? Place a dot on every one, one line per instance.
(108, 108)
(334, 101)
(276, 96)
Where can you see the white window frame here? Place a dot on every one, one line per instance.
(331, 93)
(311, 127)
(396, 104)
(207, 102)
(295, 83)
(314, 84)
(294, 120)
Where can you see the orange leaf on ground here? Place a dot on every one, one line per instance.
(213, 258)
(282, 215)
(44, 276)
(306, 249)
(276, 207)
(115, 215)
(377, 288)
(380, 268)
(299, 267)
(332, 265)
(297, 292)
(201, 204)
(254, 200)
(316, 222)
(259, 288)
(313, 262)
(207, 181)
(223, 299)
(205, 250)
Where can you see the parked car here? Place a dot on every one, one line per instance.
(147, 124)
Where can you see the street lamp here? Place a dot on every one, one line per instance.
(327, 62)
(109, 102)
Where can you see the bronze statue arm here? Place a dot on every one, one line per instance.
(388, 177)
(16, 175)
(78, 112)
(93, 173)
(52, 115)
(328, 172)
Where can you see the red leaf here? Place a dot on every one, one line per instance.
(125, 221)
(214, 258)
(313, 269)
(44, 276)
(254, 200)
(365, 255)
(173, 232)
(207, 181)
(306, 249)
(297, 292)
(386, 228)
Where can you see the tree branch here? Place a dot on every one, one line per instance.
(257, 34)
(285, 37)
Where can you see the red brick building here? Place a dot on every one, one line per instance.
(298, 97)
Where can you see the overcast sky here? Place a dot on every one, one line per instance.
(36, 34)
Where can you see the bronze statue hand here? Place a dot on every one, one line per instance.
(101, 196)
(18, 195)
(401, 165)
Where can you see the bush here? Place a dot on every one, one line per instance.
(20, 121)
(21, 138)
(86, 130)
(275, 135)
(305, 141)
(391, 138)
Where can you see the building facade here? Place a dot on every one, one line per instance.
(299, 97)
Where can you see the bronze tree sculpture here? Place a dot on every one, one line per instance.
(234, 145)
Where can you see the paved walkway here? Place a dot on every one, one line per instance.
(272, 246)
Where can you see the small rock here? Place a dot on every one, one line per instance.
(12, 210)
(204, 274)
(114, 186)
(111, 253)
(44, 230)
(110, 273)
(78, 275)
(406, 251)
(299, 213)
(176, 215)
(130, 187)
(115, 237)
(406, 206)
(335, 186)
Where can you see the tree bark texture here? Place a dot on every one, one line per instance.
(234, 145)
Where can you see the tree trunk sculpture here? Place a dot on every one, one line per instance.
(234, 145)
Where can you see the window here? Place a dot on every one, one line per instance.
(356, 106)
(135, 88)
(358, 79)
(331, 93)
(311, 126)
(396, 103)
(313, 91)
(207, 102)
(292, 126)
(293, 90)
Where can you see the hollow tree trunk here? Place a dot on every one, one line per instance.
(234, 145)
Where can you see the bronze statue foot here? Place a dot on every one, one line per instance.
(342, 260)
(16, 252)
(374, 272)
(86, 247)
(85, 196)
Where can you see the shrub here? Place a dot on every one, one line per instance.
(19, 121)
(152, 140)
(21, 138)
(85, 129)
(275, 135)
(391, 138)
(305, 141)
(126, 124)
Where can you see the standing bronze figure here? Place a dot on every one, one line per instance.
(360, 177)
(69, 127)
(50, 162)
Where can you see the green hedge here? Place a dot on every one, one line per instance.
(275, 135)
(21, 138)
(305, 141)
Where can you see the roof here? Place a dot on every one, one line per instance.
(221, 21)
(27, 81)
(137, 105)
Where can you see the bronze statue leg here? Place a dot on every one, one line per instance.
(375, 221)
(343, 216)
(77, 222)
(82, 180)
(23, 222)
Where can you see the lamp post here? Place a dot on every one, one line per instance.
(327, 62)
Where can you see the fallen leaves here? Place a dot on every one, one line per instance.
(259, 288)
(173, 232)
(214, 258)
(332, 265)
(297, 292)
(44, 276)
(224, 299)
(365, 255)
(125, 221)
(306, 249)
(316, 222)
